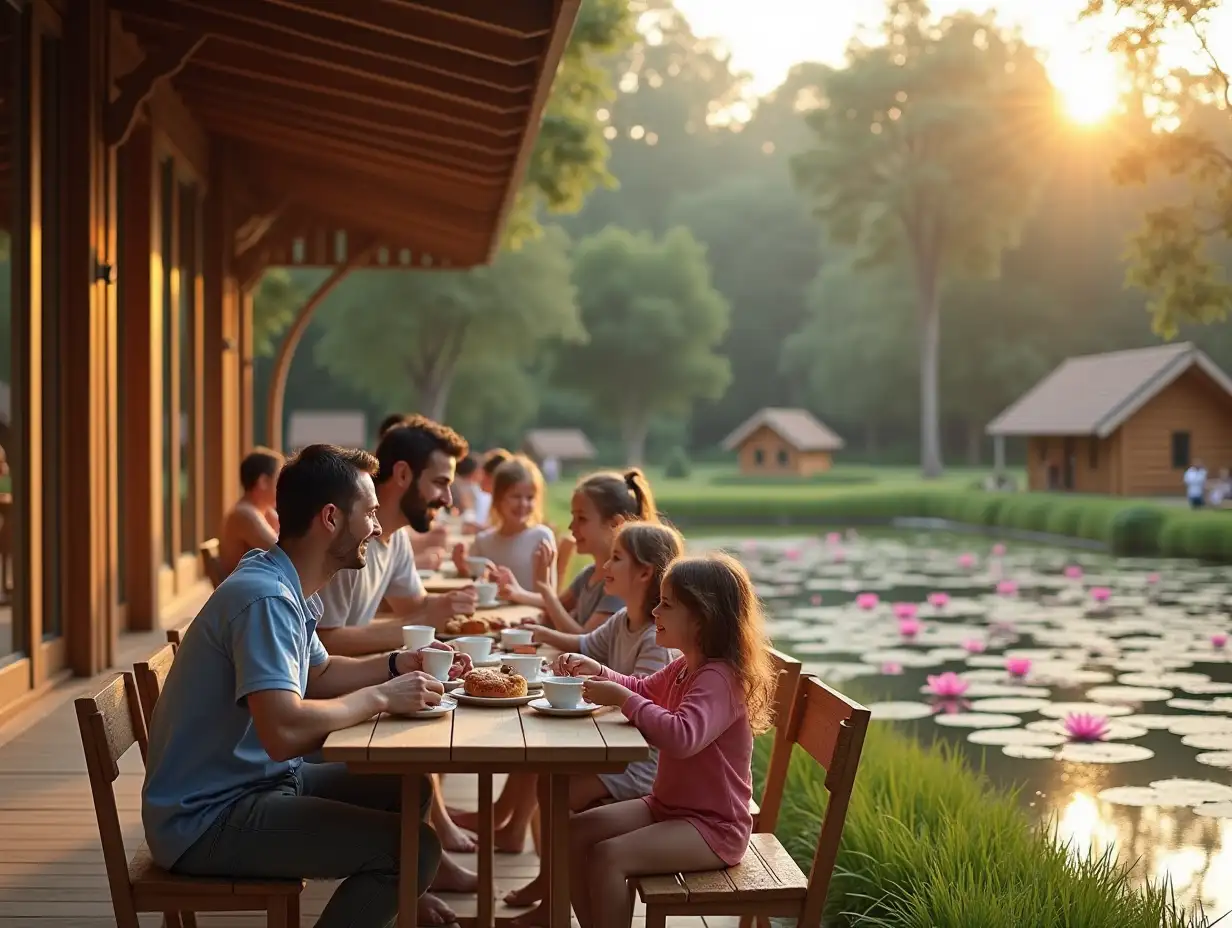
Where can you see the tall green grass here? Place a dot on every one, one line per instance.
(930, 843)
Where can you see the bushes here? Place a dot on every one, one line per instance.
(929, 843)
(677, 466)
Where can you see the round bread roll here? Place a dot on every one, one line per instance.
(474, 626)
(453, 627)
(494, 683)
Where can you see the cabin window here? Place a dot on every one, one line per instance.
(782, 458)
(1043, 449)
(1180, 450)
(759, 457)
(1093, 453)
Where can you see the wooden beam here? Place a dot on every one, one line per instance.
(137, 86)
(460, 35)
(286, 350)
(250, 232)
(305, 25)
(524, 19)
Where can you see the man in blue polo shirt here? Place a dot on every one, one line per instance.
(252, 690)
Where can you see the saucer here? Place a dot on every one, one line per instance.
(493, 700)
(542, 705)
(495, 604)
(447, 705)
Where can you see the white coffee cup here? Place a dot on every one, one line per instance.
(528, 665)
(415, 637)
(436, 661)
(476, 566)
(479, 647)
(487, 593)
(516, 637)
(563, 692)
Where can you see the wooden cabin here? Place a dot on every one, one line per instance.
(568, 446)
(345, 427)
(783, 442)
(155, 158)
(1126, 423)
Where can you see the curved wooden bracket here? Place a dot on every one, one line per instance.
(137, 85)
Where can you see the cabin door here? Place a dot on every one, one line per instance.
(1069, 465)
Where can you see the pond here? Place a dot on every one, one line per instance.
(1101, 686)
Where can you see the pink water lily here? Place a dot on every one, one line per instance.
(748, 545)
(909, 628)
(867, 601)
(998, 550)
(905, 610)
(947, 685)
(1007, 587)
(891, 668)
(1152, 578)
(792, 554)
(1100, 594)
(973, 646)
(815, 599)
(839, 557)
(966, 560)
(1074, 572)
(1219, 640)
(833, 538)
(1084, 726)
(938, 600)
(1018, 666)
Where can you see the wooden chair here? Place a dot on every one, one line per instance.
(110, 723)
(150, 675)
(210, 564)
(787, 670)
(767, 883)
(174, 637)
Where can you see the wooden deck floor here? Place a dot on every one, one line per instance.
(51, 867)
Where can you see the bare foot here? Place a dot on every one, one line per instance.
(464, 818)
(452, 877)
(509, 840)
(535, 918)
(455, 839)
(432, 911)
(529, 894)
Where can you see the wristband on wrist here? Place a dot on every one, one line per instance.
(393, 665)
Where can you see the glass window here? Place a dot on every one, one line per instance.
(190, 243)
(1180, 450)
(782, 458)
(50, 147)
(169, 313)
(759, 456)
(14, 245)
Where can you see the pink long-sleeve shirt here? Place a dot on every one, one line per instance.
(700, 725)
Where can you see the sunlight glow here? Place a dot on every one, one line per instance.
(1089, 85)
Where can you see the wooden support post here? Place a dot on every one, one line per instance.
(998, 455)
(286, 351)
(136, 87)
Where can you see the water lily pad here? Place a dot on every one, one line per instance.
(1104, 752)
(1154, 722)
(1117, 730)
(1028, 752)
(1004, 736)
(1193, 791)
(1165, 680)
(899, 711)
(1059, 710)
(978, 720)
(1132, 695)
(1207, 689)
(1201, 725)
(1214, 810)
(1221, 759)
(1136, 796)
(1209, 742)
(1009, 704)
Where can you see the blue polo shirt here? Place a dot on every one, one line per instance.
(256, 632)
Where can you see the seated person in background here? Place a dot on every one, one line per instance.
(483, 493)
(253, 521)
(228, 792)
(518, 530)
(430, 547)
(465, 483)
(393, 420)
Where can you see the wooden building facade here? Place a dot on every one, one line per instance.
(1125, 423)
(783, 443)
(155, 157)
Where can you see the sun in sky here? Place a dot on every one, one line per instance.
(1089, 85)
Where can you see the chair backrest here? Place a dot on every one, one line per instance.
(150, 675)
(787, 672)
(831, 728)
(174, 637)
(110, 723)
(209, 561)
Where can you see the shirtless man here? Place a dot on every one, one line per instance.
(253, 521)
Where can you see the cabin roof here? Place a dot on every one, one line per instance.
(1096, 394)
(798, 427)
(565, 444)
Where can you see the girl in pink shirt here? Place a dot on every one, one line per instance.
(701, 712)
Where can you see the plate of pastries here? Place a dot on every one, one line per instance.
(465, 625)
(494, 686)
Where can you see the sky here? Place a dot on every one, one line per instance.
(767, 37)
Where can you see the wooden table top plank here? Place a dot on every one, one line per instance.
(438, 584)
(561, 739)
(624, 742)
(483, 735)
(401, 739)
(350, 744)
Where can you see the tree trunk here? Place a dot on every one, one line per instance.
(633, 432)
(434, 397)
(975, 444)
(928, 306)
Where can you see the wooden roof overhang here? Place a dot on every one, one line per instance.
(402, 124)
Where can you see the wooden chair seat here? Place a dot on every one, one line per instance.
(156, 888)
(766, 875)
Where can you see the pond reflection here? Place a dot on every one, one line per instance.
(1017, 655)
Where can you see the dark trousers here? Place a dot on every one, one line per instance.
(322, 823)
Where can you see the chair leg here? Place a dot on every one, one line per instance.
(293, 911)
(655, 917)
(746, 921)
(276, 913)
(189, 919)
(172, 920)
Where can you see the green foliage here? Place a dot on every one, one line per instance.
(654, 320)
(1136, 531)
(279, 296)
(678, 466)
(928, 155)
(408, 339)
(929, 843)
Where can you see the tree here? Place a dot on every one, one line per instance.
(402, 337)
(1179, 256)
(928, 151)
(654, 320)
(280, 294)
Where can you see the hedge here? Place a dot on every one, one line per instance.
(1127, 527)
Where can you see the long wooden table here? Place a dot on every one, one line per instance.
(486, 741)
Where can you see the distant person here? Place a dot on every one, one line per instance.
(253, 521)
(483, 493)
(389, 422)
(551, 468)
(465, 483)
(1195, 485)
(1221, 489)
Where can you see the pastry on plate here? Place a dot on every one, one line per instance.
(494, 683)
